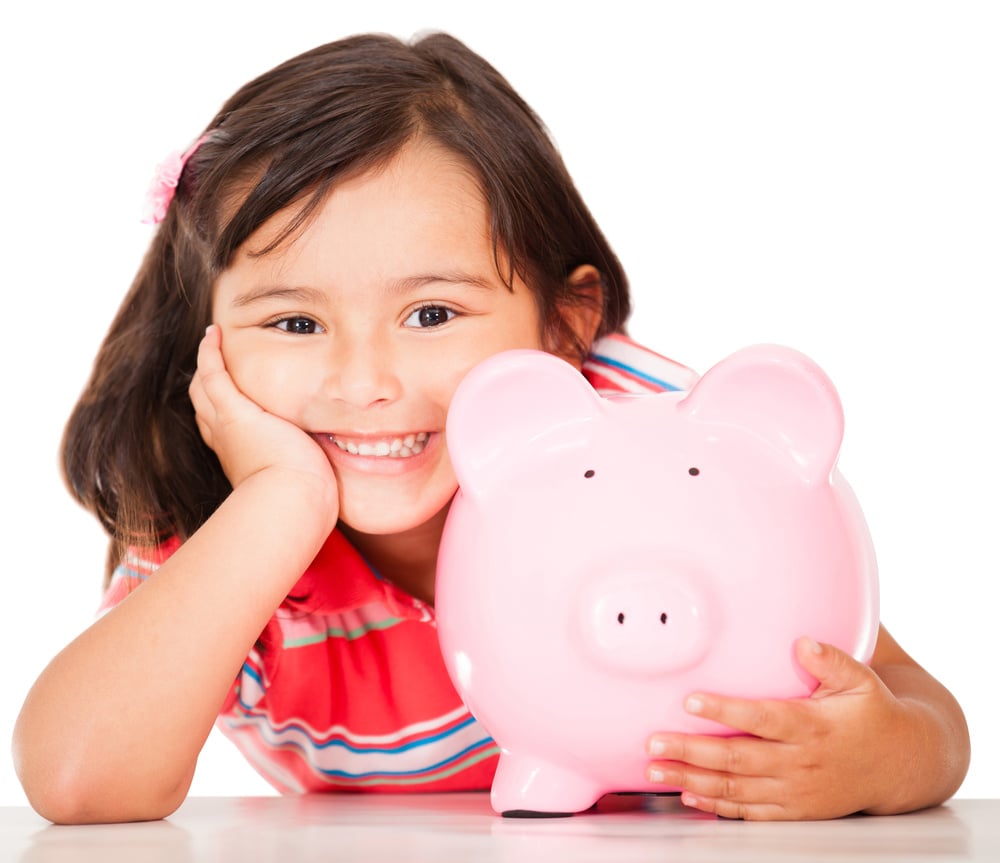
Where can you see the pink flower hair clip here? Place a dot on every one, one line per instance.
(164, 186)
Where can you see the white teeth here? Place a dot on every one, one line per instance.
(411, 444)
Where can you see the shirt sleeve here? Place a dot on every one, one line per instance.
(139, 563)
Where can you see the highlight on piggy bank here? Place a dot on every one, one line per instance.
(605, 557)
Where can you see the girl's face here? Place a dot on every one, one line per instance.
(359, 329)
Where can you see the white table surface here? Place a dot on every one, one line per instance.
(453, 827)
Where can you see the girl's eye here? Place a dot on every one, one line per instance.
(298, 326)
(429, 316)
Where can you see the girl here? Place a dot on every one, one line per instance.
(359, 227)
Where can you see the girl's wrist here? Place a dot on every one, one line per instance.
(298, 497)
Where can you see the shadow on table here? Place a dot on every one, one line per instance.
(687, 835)
(141, 842)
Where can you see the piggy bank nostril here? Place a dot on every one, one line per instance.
(664, 617)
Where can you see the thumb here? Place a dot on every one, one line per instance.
(835, 670)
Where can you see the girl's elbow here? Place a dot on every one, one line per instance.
(70, 802)
(65, 792)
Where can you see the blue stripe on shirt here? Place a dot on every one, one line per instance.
(362, 750)
(617, 364)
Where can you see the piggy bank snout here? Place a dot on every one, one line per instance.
(644, 623)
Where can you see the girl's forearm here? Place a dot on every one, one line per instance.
(112, 728)
(931, 754)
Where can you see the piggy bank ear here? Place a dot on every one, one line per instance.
(779, 395)
(505, 403)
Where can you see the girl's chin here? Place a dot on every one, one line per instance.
(374, 519)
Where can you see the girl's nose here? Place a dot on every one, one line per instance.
(363, 374)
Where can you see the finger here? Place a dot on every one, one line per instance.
(210, 361)
(835, 670)
(199, 398)
(769, 719)
(196, 389)
(211, 344)
(205, 361)
(219, 395)
(203, 425)
(724, 793)
(743, 810)
(210, 364)
(748, 756)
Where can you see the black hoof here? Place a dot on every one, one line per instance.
(530, 813)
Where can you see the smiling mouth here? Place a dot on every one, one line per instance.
(395, 447)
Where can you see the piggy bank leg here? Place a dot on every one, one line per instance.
(526, 787)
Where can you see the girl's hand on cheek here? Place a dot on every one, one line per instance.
(246, 438)
(832, 754)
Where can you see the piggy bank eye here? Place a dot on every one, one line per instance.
(693, 471)
(588, 474)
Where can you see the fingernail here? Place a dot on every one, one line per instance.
(813, 646)
(656, 747)
(694, 704)
(688, 799)
(654, 774)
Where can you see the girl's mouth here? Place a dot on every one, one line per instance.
(404, 446)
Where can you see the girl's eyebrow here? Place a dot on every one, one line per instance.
(304, 294)
(454, 277)
(278, 292)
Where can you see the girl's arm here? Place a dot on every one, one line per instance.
(934, 762)
(882, 739)
(112, 728)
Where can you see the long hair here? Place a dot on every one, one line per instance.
(132, 453)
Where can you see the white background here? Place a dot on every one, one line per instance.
(823, 175)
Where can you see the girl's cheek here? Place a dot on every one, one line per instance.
(447, 388)
(273, 386)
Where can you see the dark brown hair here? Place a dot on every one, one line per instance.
(132, 452)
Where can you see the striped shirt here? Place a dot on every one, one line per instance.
(346, 688)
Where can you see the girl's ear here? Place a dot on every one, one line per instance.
(581, 316)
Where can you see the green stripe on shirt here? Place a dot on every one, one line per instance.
(337, 632)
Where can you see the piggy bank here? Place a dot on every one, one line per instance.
(605, 557)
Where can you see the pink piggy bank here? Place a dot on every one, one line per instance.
(605, 557)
